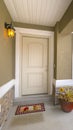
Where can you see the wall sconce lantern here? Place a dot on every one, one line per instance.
(10, 30)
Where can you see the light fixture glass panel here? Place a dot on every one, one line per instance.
(10, 33)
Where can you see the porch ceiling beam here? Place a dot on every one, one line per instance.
(67, 17)
(33, 26)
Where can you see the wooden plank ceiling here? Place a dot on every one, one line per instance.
(39, 12)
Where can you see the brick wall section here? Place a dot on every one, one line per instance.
(6, 102)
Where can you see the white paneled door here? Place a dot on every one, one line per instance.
(34, 65)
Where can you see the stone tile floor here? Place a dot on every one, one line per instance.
(52, 119)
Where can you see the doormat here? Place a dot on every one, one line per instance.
(24, 109)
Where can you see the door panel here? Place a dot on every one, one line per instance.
(34, 66)
(35, 52)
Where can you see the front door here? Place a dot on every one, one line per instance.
(34, 65)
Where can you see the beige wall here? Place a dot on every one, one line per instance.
(62, 46)
(64, 56)
(6, 48)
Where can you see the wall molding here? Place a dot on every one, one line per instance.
(62, 83)
(6, 87)
(26, 31)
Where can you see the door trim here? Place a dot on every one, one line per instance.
(20, 32)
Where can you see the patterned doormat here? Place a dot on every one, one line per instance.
(24, 109)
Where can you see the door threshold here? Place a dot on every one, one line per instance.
(33, 99)
(31, 95)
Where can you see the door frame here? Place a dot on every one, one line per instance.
(20, 32)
